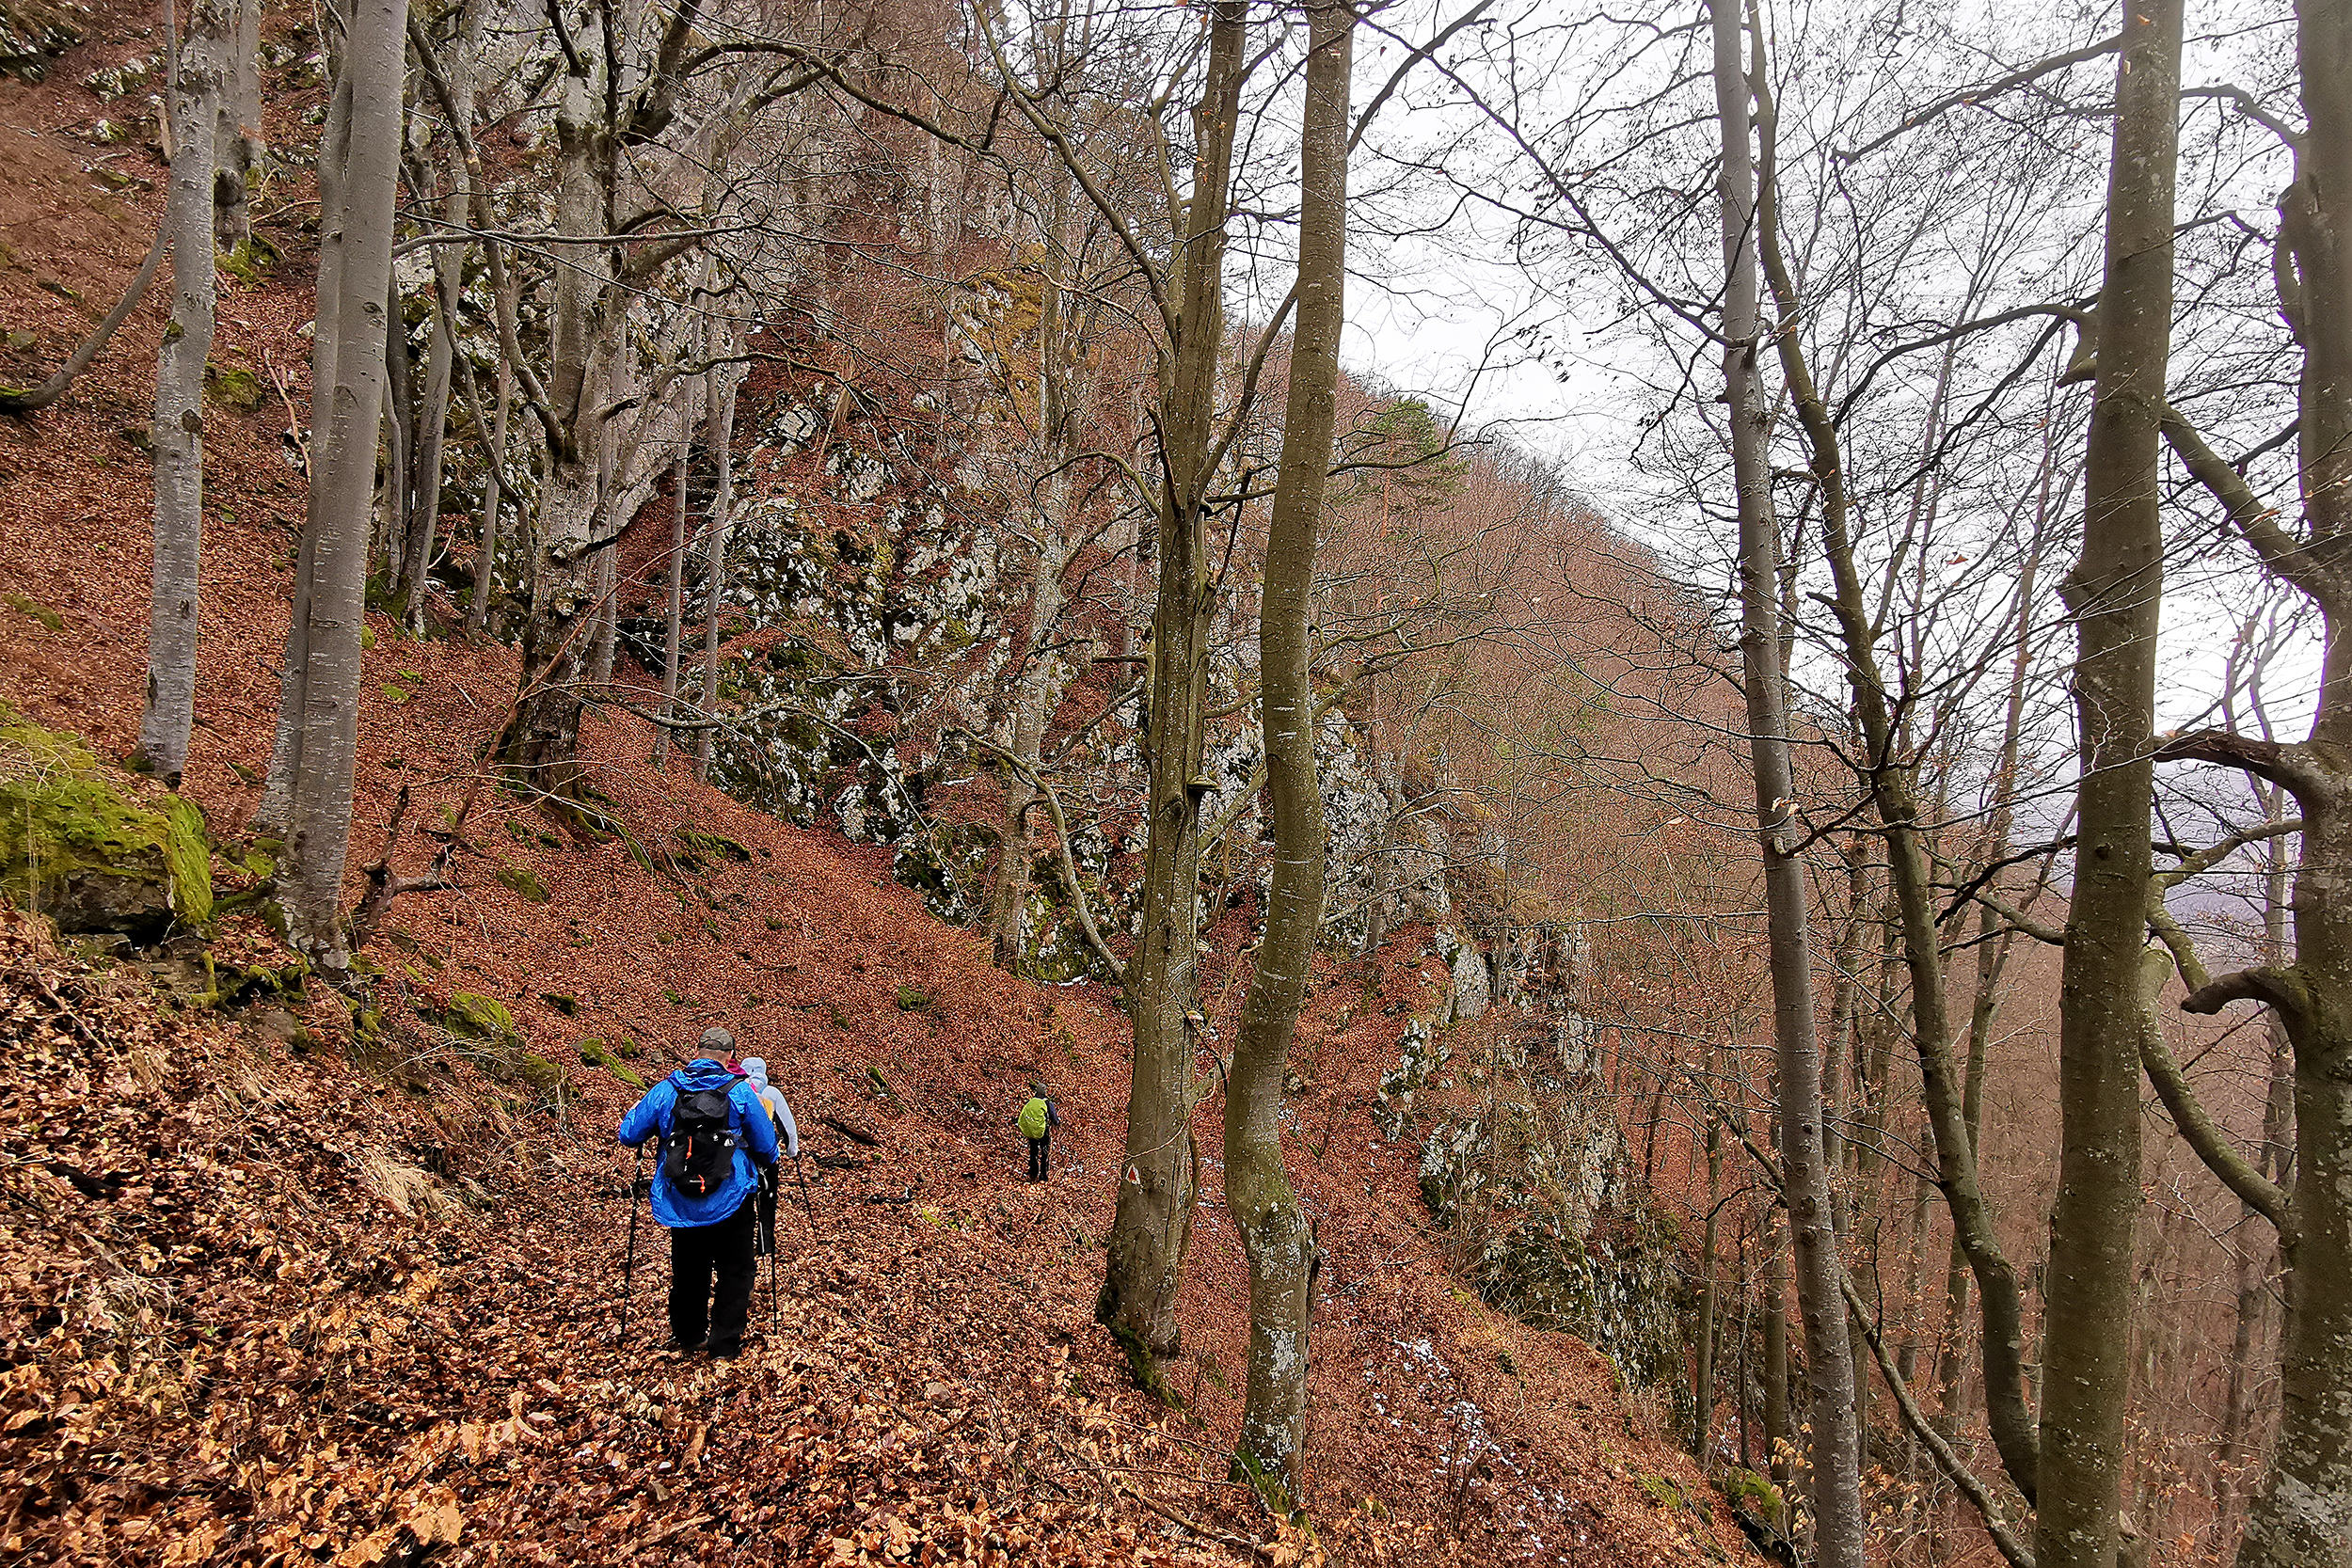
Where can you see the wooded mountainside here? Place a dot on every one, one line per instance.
(1774, 987)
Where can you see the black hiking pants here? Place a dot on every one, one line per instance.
(1038, 1147)
(700, 1254)
(767, 1201)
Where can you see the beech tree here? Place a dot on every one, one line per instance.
(1889, 770)
(1838, 1537)
(1275, 1237)
(197, 69)
(2303, 1514)
(2114, 594)
(309, 798)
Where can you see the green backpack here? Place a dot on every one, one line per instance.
(1033, 1119)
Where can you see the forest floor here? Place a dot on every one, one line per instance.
(276, 1287)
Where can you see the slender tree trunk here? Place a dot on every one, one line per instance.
(716, 533)
(399, 423)
(2304, 1514)
(1275, 1237)
(432, 413)
(1993, 943)
(603, 646)
(29, 400)
(1889, 772)
(344, 415)
(493, 502)
(195, 96)
(274, 812)
(238, 147)
(1159, 1178)
(1703, 1358)
(673, 613)
(1008, 888)
(1776, 1426)
(2104, 1003)
(1915, 1299)
(1829, 1363)
(1743, 1403)
(611, 519)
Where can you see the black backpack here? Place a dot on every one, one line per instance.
(698, 1155)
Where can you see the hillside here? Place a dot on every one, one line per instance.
(285, 1280)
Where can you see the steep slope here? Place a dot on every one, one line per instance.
(352, 1293)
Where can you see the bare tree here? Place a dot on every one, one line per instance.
(1839, 1535)
(2105, 1008)
(716, 529)
(2304, 1513)
(321, 683)
(1275, 1237)
(197, 67)
(1153, 1224)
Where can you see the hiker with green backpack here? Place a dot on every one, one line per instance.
(715, 1134)
(1037, 1122)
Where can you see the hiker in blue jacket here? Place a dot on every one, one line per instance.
(713, 1131)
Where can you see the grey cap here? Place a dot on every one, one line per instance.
(719, 1040)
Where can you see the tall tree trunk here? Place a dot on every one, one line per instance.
(603, 645)
(1776, 1426)
(194, 95)
(274, 810)
(1703, 1358)
(238, 145)
(493, 502)
(345, 410)
(1008, 887)
(432, 412)
(1889, 772)
(2304, 1513)
(1709, 1296)
(1159, 1178)
(715, 532)
(399, 403)
(2104, 1004)
(1995, 941)
(541, 743)
(1829, 1363)
(1037, 692)
(611, 519)
(673, 612)
(1275, 1236)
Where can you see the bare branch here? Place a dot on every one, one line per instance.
(14, 401)
(2023, 76)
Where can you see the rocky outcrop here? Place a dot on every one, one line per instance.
(1525, 1165)
(875, 602)
(33, 32)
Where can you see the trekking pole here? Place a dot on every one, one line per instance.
(628, 1269)
(804, 1176)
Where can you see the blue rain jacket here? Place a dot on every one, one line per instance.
(746, 1117)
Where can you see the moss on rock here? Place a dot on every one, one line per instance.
(234, 387)
(82, 851)
(708, 849)
(485, 1018)
(593, 1054)
(523, 882)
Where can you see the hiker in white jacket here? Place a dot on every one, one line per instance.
(788, 1142)
(755, 1069)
